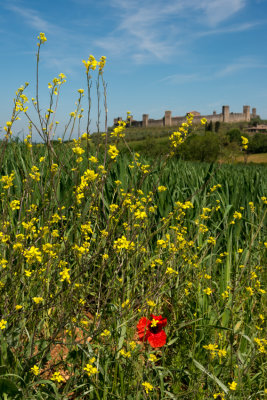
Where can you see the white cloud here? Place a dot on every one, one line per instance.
(158, 29)
(33, 19)
(183, 78)
(244, 63)
(228, 29)
(217, 11)
(239, 65)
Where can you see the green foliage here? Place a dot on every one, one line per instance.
(201, 147)
(217, 126)
(209, 127)
(258, 143)
(234, 135)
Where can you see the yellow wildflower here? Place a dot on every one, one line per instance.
(113, 152)
(37, 300)
(35, 370)
(147, 386)
(57, 377)
(125, 354)
(105, 333)
(208, 291)
(3, 324)
(232, 385)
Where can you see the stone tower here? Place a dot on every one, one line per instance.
(246, 112)
(145, 120)
(254, 113)
(225, 113)
(168, 118)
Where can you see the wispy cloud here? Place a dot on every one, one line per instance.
(228, 29)
(241, 64)
(216, 11)
(64, 59)
(179, 79)
(31, 17)
(34, 19)
(158, 29)
(207, 74)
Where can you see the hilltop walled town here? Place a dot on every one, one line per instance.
(169, 120)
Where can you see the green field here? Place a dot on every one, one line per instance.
(225, 144)
(121, 252)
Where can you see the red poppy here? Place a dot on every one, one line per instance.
(152, 331)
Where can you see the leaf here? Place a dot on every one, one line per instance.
(172, 341)
(8, 387)
(122, 337)
(48, 382)
(237, 326)
(210, 375)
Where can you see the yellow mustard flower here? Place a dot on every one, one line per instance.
(148, 387)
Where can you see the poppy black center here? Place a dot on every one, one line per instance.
(155, 329)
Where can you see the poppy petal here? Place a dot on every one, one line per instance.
(157, 339)
(142, 328)
(162, 321)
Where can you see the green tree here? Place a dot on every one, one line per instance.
(201, 148)
(217, 126)
(234, 135)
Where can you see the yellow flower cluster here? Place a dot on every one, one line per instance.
(219, 396)
(92, 63)
(42, 38)
(14, 205)
(171, 271)
(123, 243)
(125, 354)
(57, 82)
(148, 387)
(207, 291)
(213, 348)
(35, 370)
(88, 177)
(215, 187)
(178, 137)
(232, 385)
(7, 180)
(57, 377)
(38, 300)
(35, 174)
(118, 130)
(33, 254)
(244, 142)
(237, 215)
(90, 369)
(105, 333)
(65, 276)
(3, 324)
(113, 152)
(261, 345)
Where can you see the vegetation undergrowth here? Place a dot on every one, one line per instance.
(123, 278)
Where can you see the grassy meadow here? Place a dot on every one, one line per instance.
(124, 276)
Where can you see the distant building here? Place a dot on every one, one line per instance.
(195, 113)
(257, 129)
(169, 120)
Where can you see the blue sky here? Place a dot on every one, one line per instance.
(177, 55)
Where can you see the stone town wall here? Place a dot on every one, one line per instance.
(168, 120)
(156, 122)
